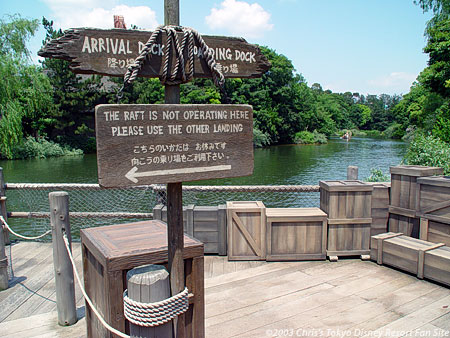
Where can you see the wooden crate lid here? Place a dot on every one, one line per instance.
(386, 235)
(442, 252)
(440, 181)
(409, 242)
(117, 246)
(295, 212)
(349, 185)
(416, 170)
(245, 205)
(380, 185)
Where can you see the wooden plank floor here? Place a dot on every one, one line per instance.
(255, 299)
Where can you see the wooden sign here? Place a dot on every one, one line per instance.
(165, 143)
(110, 52)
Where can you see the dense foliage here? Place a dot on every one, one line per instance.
(25, 100)
(429, 150)
(425, 110)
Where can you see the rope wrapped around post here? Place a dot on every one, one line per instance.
(158, 313)
(187, 44)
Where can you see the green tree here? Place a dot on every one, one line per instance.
(437, 75)
(25, 99)
(75, 97)
(440, 9)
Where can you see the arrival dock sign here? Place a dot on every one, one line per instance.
(144, 144)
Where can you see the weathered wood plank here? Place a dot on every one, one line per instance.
(110, 52)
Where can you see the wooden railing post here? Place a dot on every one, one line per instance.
(3, 211)
(149, 284)
(3, 264)
(64, 280)
(352, 172)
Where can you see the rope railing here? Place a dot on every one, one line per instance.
(92, 206)
(5, 224)
(75, 214)
(159, 187)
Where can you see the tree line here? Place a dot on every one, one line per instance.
(47, 105)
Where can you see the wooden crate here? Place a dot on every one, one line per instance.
(402, 209)
(246, 227)
(433, 208)
(348, 205)
(380, 208)
(422, 258)
(110, 252)
(206, 223)
(160, 213)
(296, 234)
(437, 265)
(210, 227)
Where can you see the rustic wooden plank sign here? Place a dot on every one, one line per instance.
(165, 143)
(110, 52)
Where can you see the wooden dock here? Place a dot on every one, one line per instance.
(254, 299)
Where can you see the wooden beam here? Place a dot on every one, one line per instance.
(175, 231)
(149, 284)
(352, 172)
(3, 210)
(64, 278)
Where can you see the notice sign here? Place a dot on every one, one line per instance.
(143, 144)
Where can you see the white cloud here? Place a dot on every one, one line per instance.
(240, 18)
(396, 82)
(99, 14)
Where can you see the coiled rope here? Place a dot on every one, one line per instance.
(21, 236)
(183, 68)
(157, 313)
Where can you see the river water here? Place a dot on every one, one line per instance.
(277, 165)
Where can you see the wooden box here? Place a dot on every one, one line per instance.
(206, 223)
(160, 213)
(348, 205)
(110, 252)
(402, 209)
(433, 208)
(422, 258)
(380, 208)
(296, 234)
(437, 265)
(246, 227)
(210, 227)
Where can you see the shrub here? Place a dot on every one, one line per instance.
(376, 175)
(306, 137)
(41, 148)
(395, 131)
(260, 139)
(430, 151)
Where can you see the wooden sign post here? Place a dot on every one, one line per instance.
(171, 143)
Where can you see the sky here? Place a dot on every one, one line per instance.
(364, 46)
